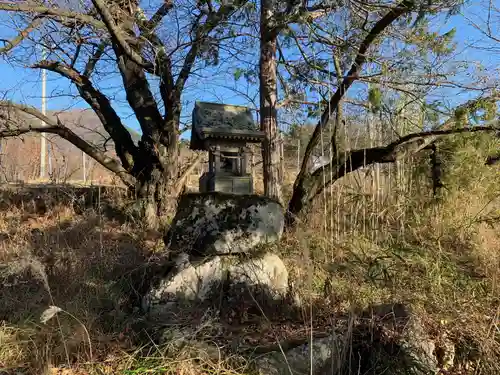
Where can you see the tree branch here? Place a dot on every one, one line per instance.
(90, 66)
(213, 20)
(162, 59)
(397, 150)
(27, 7)
(55, 127)
(296, 10)
(189, 60)
(141, 99)
(124, 145)
(158, 16)
(339, 113)
(10, 44)
(75, 56)
(118, 36)
(132, 68)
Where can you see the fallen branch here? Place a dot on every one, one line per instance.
(352, 160)
(397, 150)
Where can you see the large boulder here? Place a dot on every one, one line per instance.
(218, 223)
(208, 279)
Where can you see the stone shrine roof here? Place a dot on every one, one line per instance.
(216, 121)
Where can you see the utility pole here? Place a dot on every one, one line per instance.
(84, 168)
(43, 141)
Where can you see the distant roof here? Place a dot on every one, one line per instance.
(222, 121)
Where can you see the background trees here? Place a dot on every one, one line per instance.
(384, 68)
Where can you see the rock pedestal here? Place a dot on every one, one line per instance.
(214, 242)
(217, 223)
(218, 278)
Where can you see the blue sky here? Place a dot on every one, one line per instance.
(24, 84)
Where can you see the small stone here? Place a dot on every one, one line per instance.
(298, 359)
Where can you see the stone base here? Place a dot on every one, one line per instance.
(219, 278)
(217, 223)
(210, 182)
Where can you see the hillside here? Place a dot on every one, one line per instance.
(20, 157)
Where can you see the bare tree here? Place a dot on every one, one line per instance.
(87, 39)
(309, 183)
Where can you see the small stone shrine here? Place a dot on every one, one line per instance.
(225, 131)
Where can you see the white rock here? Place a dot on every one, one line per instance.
(191, 282)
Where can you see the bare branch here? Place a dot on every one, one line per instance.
(90, 66)
(118, 35)
(55, 127)
(158, 16)
(162, 59)
(189, 60)
(213, 20)
(397, 150)
(76, 55)
(124, 145)
(296, 10)
(133, 68)
(10, 44)
(58, 13)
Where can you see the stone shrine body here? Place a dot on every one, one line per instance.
(225, 132)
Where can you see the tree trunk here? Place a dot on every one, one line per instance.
(436, 171)
(156, 198)
(157, 177)
(268, 95)
(298, 204)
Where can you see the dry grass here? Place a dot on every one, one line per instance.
(442, 258)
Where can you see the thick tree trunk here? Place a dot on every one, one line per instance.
(157, 176)
(298, 204)
(268, 95)
(156, 196)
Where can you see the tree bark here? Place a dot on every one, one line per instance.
(268, 96)
(155, 197)
(156, 189)
(157, 174)
(436, 170)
